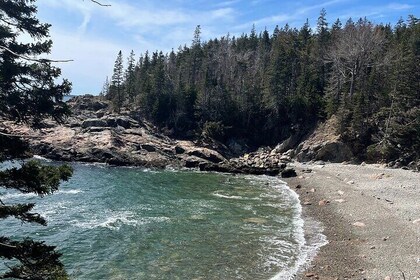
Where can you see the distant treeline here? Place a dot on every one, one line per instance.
(260, 88)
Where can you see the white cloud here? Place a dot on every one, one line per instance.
(286, 17)
(149, 26)
(375, 13)
(226, 3)
(399, 6)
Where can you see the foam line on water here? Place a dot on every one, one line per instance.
(228, 196)
(309, 245)
(75, 191)
(115, 221)
(17, 195)
(37, 157)
(219, 194)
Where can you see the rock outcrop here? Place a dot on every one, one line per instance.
(324, 144)
(261, 162)
(92, 134)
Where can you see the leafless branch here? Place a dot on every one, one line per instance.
(41, 60)
(100, 4)
(7, 245)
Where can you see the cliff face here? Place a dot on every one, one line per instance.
(91, 134)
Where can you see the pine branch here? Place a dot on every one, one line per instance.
(34, 177)
(41, 60)
(21, 212)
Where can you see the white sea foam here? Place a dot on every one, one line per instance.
(227, 196)
(219, 194)
(76, 191)
(172, 169)
(52, 211)
(41, 158)
(149, 170)
(17, 195)
(32, 195)
(309, 246)
(95, 164)
(307, 233)
(117, 220)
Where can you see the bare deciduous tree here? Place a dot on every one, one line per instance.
(354, 51)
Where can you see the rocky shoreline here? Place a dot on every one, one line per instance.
(92, 134)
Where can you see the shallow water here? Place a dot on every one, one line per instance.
(131, 223)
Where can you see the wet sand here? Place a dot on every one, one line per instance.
(370, 215)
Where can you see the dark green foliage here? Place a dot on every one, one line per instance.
(12, 147)
(214, 130)
(264, 88)
(116, 89)
(37, 260)
(130, 78)
(33, 177)
(28, 93)
(27, 87)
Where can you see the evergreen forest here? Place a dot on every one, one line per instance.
(260, 88)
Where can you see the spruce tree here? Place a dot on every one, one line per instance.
(116, 91)
(105, 88)
(28, 93)
(130, 81)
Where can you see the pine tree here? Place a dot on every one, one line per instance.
(27, 86)
(321, 48)
(116, 91)
(130, 79)
(28, 93)
(105, 88)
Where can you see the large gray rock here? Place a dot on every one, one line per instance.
(332, 151)
(206, 154)
(94, 123)
(87, 103)
(124, 122)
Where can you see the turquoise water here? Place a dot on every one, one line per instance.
(131, 223)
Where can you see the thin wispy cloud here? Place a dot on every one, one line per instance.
(99, 33)
(399, 6)
(378, 12)
(226, 3)
(283, 18)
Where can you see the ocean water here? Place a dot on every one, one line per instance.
(132, 223)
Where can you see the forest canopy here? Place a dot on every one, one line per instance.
(260, 88)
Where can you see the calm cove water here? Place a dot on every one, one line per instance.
(131, 223)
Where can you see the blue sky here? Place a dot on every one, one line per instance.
(92, 35)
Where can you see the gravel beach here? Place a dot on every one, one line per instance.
(370, 215)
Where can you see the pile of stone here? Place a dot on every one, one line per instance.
(261, 162)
